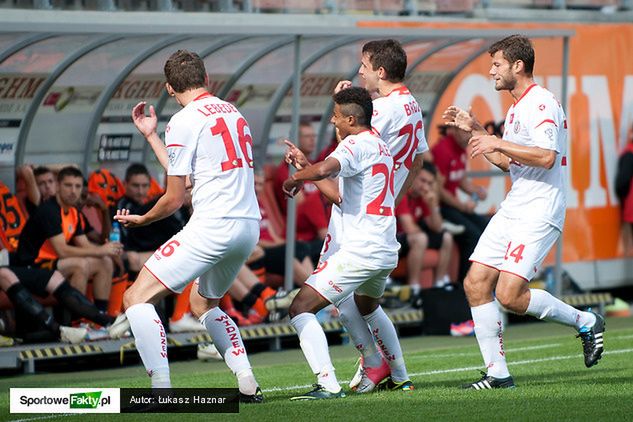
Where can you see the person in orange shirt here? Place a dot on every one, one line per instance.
(53, 238)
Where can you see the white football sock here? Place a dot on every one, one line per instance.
(315, 349)
(547, 307)
(387, 340)
(227, 339)
(358, 331)
(151, 342)
(489, 333)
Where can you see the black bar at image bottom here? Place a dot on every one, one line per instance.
(180, 400)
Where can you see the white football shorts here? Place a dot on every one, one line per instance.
(515, 246)
(339, 276)
(213, 250)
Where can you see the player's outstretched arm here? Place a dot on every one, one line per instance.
(297, 159)
(530, 156)
(315, 173)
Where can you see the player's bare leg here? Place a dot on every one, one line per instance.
(314, 343)
(386, 338)
(148, 330)
(227, 339)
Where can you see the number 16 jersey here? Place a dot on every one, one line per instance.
(210, 141)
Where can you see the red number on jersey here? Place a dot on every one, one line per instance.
(376, 206)
(517, 253)
(410, 145)
(244, 140)
(169, 248)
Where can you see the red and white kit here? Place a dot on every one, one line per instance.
(370, 250)
(210, 141)
(397, 120)
(531, 217)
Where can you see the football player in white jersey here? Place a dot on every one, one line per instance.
(361, 266)
(397, 119)
(209, 142)
(529, 220)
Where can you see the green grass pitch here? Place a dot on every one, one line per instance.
(545, 360)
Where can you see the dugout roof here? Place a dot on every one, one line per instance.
(69, 79)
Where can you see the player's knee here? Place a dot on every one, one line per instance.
(507, 299)
(297, 307)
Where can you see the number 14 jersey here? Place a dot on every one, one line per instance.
(210, 141)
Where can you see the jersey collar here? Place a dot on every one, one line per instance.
(203, 95)
(529, 88)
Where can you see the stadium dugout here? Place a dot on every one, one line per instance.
(69, 80)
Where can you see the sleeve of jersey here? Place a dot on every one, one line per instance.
(423, 146)
(181, 147)
(348, 155)
(545, 123)
(380, 121)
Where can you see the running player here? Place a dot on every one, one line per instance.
(210, 142)
(370, 251)
(529, 220)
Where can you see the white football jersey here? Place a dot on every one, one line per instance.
(397, 119)
(368, 226)
(537, 120)
(210, 141)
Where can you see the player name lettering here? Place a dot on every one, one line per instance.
(412, 107)
(211, 109)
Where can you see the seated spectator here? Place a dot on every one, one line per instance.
(423, 203)
(53, 238)
(19, 283)
(12, 217)
(449, 156)
(413, 243)
(251, 295)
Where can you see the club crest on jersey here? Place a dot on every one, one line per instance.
(517, 126)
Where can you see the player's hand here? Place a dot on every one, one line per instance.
(458, 118)
(291, 187)
(124, 217)
(146, 125)
(342, 85)
(483, 144)
(294, 156)
(112, 248)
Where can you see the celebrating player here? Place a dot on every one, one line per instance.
(529, 220)
(397, 119)
(210, 142)
(370, 250)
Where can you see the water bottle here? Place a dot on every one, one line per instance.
(115, 233)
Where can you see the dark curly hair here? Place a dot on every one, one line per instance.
(356, 102)
(184, 71)
(516, 47)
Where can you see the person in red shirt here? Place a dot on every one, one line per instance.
(449, 156)
(307, 145)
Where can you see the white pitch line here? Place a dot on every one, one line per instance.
(476, 353)
(463, 369)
